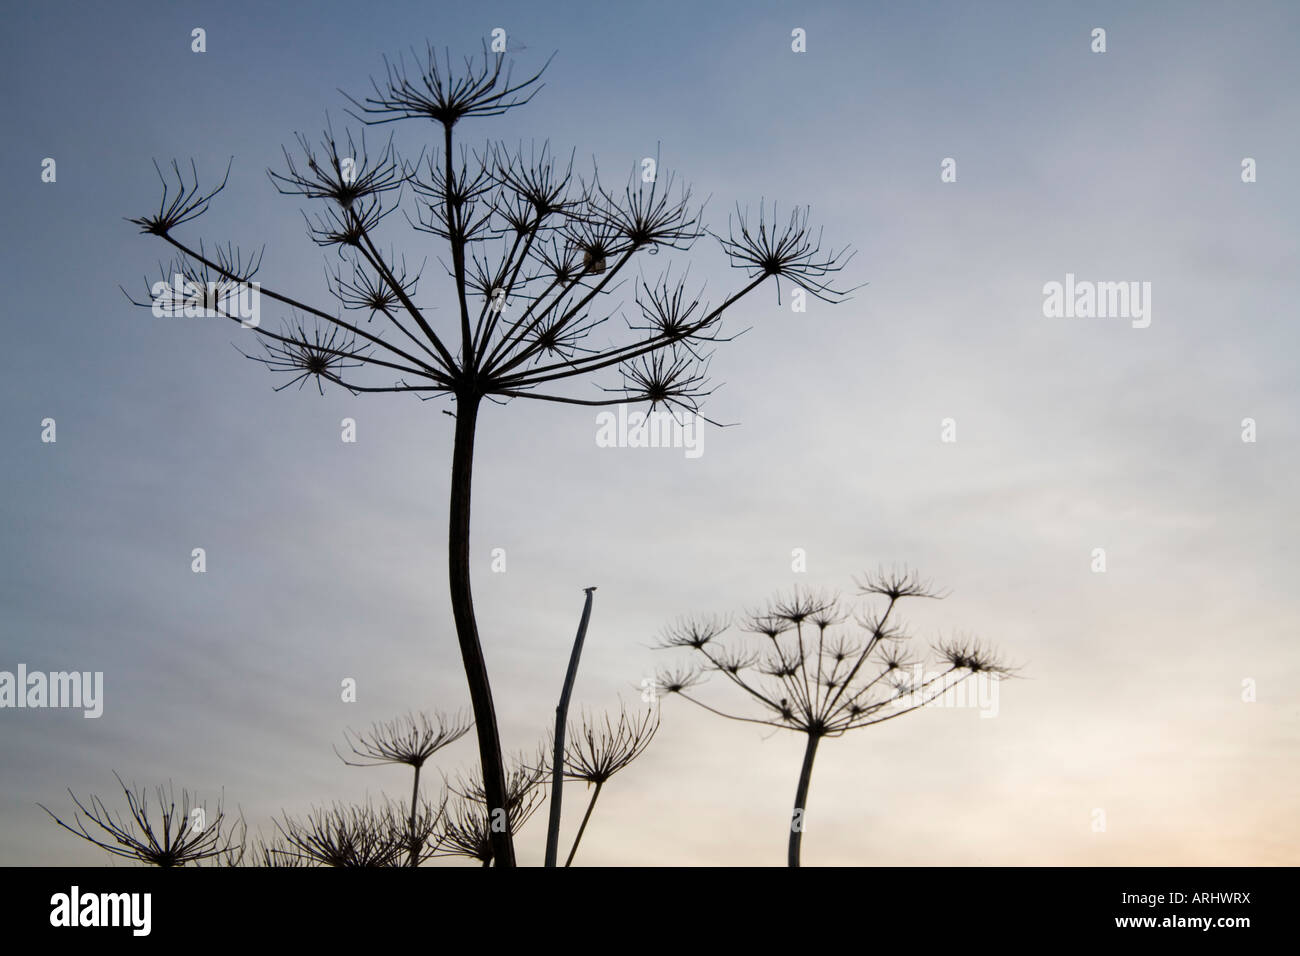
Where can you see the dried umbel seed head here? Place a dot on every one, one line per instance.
(693, 632)
(823, 671)
(366, 289)
(470, 821)
(181, 202)
(596, 750)
(791, 252)
(434, 90)
(164, 833)
(802, 606)
(967, 654)
(411, 739)
(342, 175)
(895, 584)
(676, 680)
(359, 836)
(648, 215)
(820, 669)
(321, 352)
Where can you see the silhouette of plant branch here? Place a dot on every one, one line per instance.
(409, 740)
(808, 674)
(536, 256)
(165, 834)
(472, 821)
(594, 752)
(362, 836)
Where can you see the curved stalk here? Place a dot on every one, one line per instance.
(799, 817)
(462, 607)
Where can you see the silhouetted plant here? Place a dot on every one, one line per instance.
(532, 251)
(276, 853)
(362, 836)
(809, 676)
(409, 740)
(162, 835)
(387, 834)
(472, 821)
(594, 752)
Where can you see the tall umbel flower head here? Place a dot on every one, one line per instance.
(596, 749)
(411, 740)
(536, 255)
(812, 665)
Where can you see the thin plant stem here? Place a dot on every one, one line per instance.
(562, 715)
(799, 816)
(583, 828)
(414, 858)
